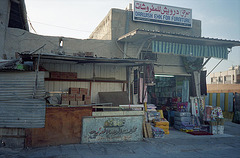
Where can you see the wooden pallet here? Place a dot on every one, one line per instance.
(147, 130)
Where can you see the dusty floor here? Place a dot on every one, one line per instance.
(176, 144)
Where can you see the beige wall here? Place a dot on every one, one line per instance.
(114, 26)
(226, 77)
(18, 40)
(116, 23)
(223, 88)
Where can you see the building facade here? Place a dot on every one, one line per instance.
(139, 51)
(231, 76)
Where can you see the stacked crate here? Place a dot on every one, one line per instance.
(183, 121)
(164, 125)
(63, 75)
(76, 96)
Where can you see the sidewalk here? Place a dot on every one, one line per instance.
(176, 144)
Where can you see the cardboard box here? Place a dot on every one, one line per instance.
(83, 91)
(55, 75)
(79, 97)
(81, 102)
(65, 102)
(73, 90)
(73, 102)
(65, 97)
(71, 97)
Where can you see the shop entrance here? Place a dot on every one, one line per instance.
(167, 92)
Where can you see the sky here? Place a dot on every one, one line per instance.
(78, 18)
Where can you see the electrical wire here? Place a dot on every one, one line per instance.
(31, 24)
(59, 26)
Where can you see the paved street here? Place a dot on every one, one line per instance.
(177, 144)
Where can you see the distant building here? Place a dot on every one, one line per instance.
(231, 76)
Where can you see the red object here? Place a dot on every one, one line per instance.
(79, 97)
(199, 133)
(73, 90)
(83, 91)
(71, 97)
(56, 75)
(87, 100)
(64, 97)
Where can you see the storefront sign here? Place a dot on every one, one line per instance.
(162, 14)
(112, 129)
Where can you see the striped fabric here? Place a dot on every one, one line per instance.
(189, 50)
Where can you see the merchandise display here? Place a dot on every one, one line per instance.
(171, 99)
(164, 125)
(157, 132)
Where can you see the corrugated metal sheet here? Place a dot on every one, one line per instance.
(222, 101)
(214, 99)
(139, 34)
(190, 50)
(230, 102)
(18, 108)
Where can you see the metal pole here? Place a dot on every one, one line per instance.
(36, 81)
(214, 67)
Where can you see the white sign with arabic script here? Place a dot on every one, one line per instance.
(162, 14)
(111, 129)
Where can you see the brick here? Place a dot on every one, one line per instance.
(73, 90)
(65, 102)
(55, 75)
(71, 75)
(79, 97)
(64, 75)
(73, 102)
(81, 102)
(87, 100)
(83, 91)
(89, 54)
(71, 97)
(64, 97)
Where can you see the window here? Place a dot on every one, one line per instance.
(220, 79)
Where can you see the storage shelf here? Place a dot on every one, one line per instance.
(86, 80)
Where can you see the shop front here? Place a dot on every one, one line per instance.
(141, 70)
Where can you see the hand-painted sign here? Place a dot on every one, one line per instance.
(162, 14)
(112, 129)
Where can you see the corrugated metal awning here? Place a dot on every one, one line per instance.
(189, 49)
(50, 57)
(203, 47)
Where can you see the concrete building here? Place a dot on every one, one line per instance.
(116, 42)
(151, 60)
(231, 76)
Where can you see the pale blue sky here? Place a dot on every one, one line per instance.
(78, 18)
